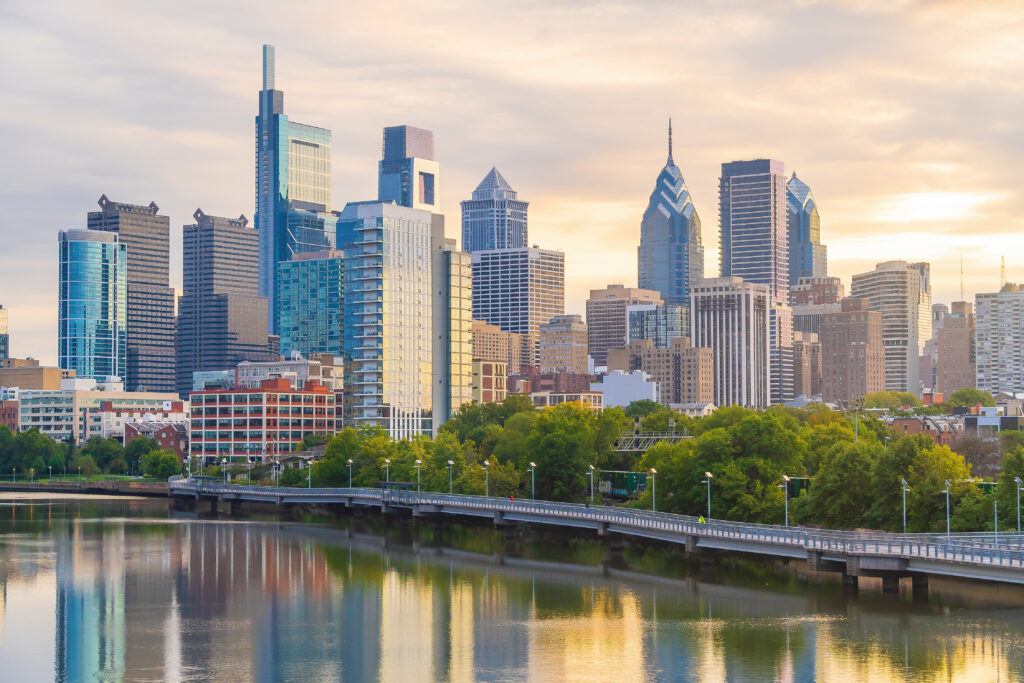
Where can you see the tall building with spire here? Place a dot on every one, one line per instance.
(670, 256)
(808, 257)
(293, 186)
(495, 218)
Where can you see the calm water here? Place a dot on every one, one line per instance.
(121, 590)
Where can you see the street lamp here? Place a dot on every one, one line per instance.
(487, 478)
(418, 463)
(946, 491)
(451, 463)
(591, 473)
(350, 472)
(1018, 482)
(50, 469)
(904, 488)
(785, 491)
(387, 469)
(654, 490)
(533, 480)
(707, 480)
(224, 465)
(309, 473)
(995, 518)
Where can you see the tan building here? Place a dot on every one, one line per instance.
(852, 355)
(26, 373)
(955, 350)
(608, 317)
(490, 381)
(490, 342)
(684, 374)
(562, 345)
(806, 364)
(589, 399)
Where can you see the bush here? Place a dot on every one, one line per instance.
(161, 464)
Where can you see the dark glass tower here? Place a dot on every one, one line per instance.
(808, 257)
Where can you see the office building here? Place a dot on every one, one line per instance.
(310, 303)
(408, 174)
(492, 343)
(811, 291)
(145, 234)
(26, 373)
(754, 237)
(221, 318)
(293, 186)
(731, 317)
(808, 257)
(660, 323)
(170, 435)
(92, 307)
(780, 335)
(956, 358)
(852, 353)
(670, 256)
(806, 365)
(608, 312)
(518, 289)
(490, 381)
(1000, 339)
(277, 418)
(452, 321)
(388, 321)
(5, 339)
(683, 373)
(495, 218)
(562, 345)
(901, 292)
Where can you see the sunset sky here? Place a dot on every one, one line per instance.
(905, 118)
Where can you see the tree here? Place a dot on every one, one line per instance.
(103, 451)
(562, 445)
(642, 408)
(968, 397)
(891, 400)
(137, 448)
(84, 465)
(839, 493)
(161, 464)
(312, 441)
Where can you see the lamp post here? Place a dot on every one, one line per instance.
(995, 518)
(309, 474)
(224, 466)
(387, 470)
(707, 480)
(1018, 482)
(533, 480)
(50, 469)
(487, 478)
(350, 472)
(654, 490)
(946, 491)
(451, 463)
(785, 496)
(591, 473)
(418, 463)
(904, 488)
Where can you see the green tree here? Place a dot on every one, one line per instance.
(562, 445)
(968, 397)
(891, 400)
(103, 451)
(84, 465)
(839, 495)
(161, 464)
(137, 448)
(926, 501)
(642, 408)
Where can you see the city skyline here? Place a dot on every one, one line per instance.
(911, 161)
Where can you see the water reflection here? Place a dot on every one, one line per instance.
(115, 590)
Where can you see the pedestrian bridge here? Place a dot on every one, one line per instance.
(981, 556)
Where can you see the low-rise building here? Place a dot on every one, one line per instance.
(684, 374)
(324, 368)
(619, 388)
(489, 381)
(547, 399)
(694, 409)
(26, 373)
(109, 418)
(169, 435)
(9, 415)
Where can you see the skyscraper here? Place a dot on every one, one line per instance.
(408, 174)
(670, 256)
(293, 185)
(146, 235)
(221, 318)
(955, 350)
(852, 354)
(808, 257)
(901, 292)
(92, 304)
(388, 316)
(495, 218)
(452, 277)
(731, 317)
(562, 345)
(1000, 339)
(754, 239)
(5, 340)
(608, 317)
(310, 300)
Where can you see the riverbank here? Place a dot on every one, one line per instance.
(111, 487)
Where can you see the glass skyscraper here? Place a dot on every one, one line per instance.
(752, 208)
(808, 257)
(388, 316)
(495, 218)
(661, 323)
(310, 298)
(670, 256)
(293, 185)
(452, 276)
(408, 174)
(92, 330)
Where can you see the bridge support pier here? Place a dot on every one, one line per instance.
(235, 508)
(850, 582)
(891, 583)
(919, 586)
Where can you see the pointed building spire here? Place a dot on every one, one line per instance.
(670, 140)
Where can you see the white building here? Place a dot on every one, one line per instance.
(999, 336)
(621, 388)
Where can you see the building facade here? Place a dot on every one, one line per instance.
(811, 291)
(5, 339)
(293, 186)
(92, 306)
(956, 356)
(754, 236)
(311, 304)
(490, 381)
(806, 364)
(852, 353)
(608, 317)
(670, 257)
(808, 257)
(495, 217)
(901, 292)
(452, 322)
(731, 317)
(683, 373)
(492, 343)
(145, 234)
(221, 318)
(562, 345)
(408, 174)
(619, 388)
(661, 324)
(1000, 339)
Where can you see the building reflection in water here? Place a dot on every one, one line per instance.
(163, 599)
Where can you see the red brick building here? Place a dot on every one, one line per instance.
(171, 436)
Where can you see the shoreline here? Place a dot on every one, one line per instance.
(126, 487)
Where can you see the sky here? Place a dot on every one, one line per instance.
(905, 118)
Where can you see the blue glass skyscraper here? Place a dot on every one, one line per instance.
(310, 296)
(92, 304)
(808, 257)
(408, 174)
(293, 185)
(670, 256)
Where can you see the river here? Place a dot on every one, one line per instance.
(123, 589)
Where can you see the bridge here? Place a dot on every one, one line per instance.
(979, 556)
